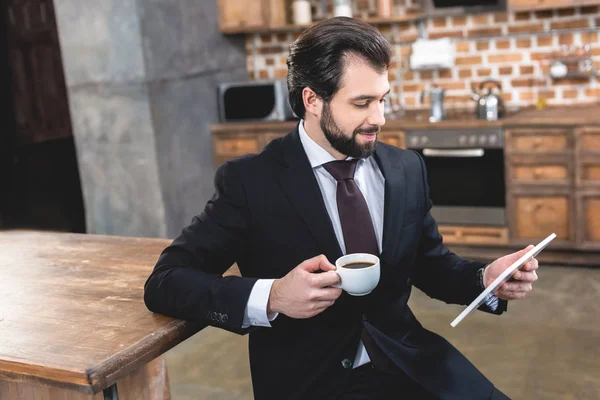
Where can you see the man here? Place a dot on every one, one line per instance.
(326, 189)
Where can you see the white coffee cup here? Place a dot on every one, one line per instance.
(358, 281)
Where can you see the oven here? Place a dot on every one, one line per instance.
(466, 174)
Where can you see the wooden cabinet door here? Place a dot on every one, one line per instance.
(394, 138)
(267, 138)
(588, 220)
(526, 5)
(533, 216)
(587, 157)
(38, 83)
(588, 171)
(227, 146)
(536, 171)
(588, 139)
(538, 140)
(237, 15)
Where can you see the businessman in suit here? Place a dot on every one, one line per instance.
(285, 215)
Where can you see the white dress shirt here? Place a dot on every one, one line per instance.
(370, 181)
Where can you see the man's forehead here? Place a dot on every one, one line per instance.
(364, 84)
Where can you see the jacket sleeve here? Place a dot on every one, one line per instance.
(440, 273)
(187, 281)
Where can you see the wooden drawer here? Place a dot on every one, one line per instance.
(397, 138)
(473, 234)
(528, 5)
(588, 220)
(587, 172)
(588, 139)
(525, 170)
(533, 216)
(236, 145)
(538, 140)
(267, 138)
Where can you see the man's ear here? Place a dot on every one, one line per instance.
(313, 104)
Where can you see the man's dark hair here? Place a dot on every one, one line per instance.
(317, 58)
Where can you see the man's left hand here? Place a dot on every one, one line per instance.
(521, 282)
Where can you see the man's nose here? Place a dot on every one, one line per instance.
(376, 117)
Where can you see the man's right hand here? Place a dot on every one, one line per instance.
(303, 293)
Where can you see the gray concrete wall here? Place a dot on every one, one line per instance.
(141, 78)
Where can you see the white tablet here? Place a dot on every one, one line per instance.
(505, 276)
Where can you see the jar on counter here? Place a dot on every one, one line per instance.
(384, 8)
(342, 8)
(301, 12)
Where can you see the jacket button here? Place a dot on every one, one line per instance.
(364, 317)
(346, 363)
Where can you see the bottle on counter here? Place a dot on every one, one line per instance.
(384, 8)
(342, 8)
(301, 12)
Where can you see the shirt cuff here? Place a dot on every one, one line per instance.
(491, 301)
(256, 308)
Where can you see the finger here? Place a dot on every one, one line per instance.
(525, 276)
(522, 252)
(314, 264)
(531, 265)
(325, 279)
(512, 295)
(517, 287)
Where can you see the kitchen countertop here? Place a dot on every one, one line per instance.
(561, 116)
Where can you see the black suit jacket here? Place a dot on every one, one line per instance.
(268, 215)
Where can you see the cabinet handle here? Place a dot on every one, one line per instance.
(537, 142)
(538, 173)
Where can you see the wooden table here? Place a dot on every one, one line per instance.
(73, 321)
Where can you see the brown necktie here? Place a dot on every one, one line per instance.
(359, 236)
(357, 226)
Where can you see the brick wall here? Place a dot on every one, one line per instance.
(511, 47)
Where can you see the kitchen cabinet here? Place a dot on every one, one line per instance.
(528, 5)
(535, 215)
(241, 140)
(538, 170)
(588, 219)
(587, 150)
(538, 140)
(587, 181)
(552, 178)
(473, 235)
(539, 183)
(236, 15)
(394, 138)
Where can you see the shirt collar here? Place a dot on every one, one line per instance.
(317, 155)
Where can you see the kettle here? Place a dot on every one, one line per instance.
(436, 96)
(490, 106)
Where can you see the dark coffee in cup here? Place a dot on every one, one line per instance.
(358, 265)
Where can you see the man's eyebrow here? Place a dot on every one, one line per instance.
(367, 97)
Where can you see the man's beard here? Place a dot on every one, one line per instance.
(339, 141)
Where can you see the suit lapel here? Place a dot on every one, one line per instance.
(394, 203)
(301, 188)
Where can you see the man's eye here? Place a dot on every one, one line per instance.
(383, 100)
(365, 105)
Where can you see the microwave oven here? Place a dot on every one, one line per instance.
(254, 101)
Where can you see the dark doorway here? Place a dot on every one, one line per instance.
(40, 178)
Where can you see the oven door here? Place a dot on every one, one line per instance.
(466, 185)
